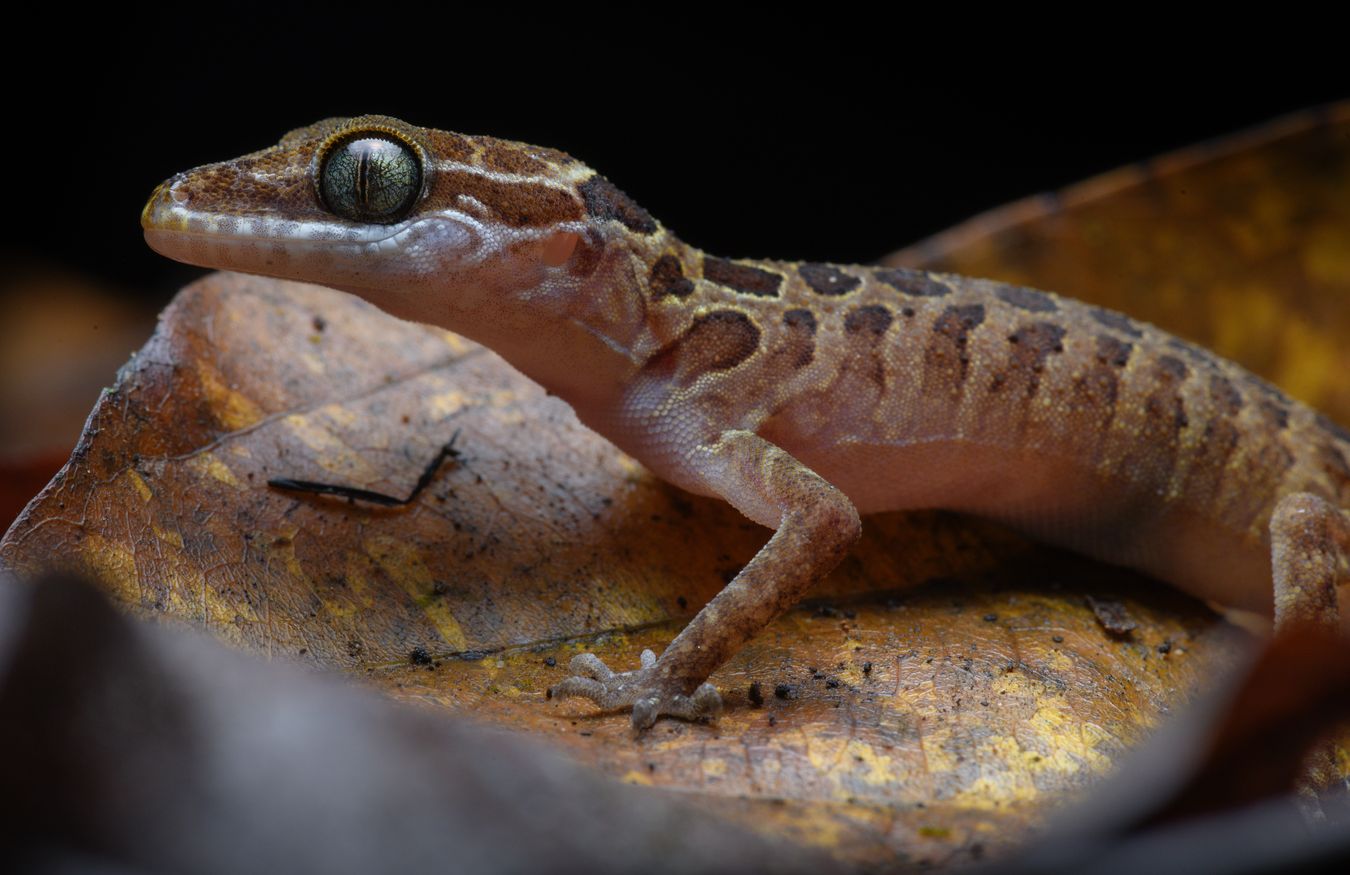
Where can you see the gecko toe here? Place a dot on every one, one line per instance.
(640, 690)
(591, 666)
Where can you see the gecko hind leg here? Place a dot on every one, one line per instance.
(1310, 555)
(1310, 548)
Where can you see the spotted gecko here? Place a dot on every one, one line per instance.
(803, 394)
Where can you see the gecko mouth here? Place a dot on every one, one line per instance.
(313, 249)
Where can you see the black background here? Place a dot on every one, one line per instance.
(810, 139)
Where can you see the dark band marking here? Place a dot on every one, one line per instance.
(1273, 404)
(1277, 414)
(1032, 345)
(1095, 390)
(911, 282)
(1173, 367)
(1118, 321)
(717, 341)
(1113, 352)
(604, 200)
(1227, 399)
(1027, 299)
(518, 204)
(741, 277)
(801, 326)
(1150, 449)
(667, 278)
(1209, 477)
(800, 320)
(1164, 405)
(873, 319)
(946, 359)
(826, 280)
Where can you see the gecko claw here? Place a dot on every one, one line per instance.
(592, 679)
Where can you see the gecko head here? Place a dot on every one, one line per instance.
(419, 221)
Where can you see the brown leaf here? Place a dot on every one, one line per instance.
(897, 723)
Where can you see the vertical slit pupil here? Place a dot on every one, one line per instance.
(362, 182)
(370, 177)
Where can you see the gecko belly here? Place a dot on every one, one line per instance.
(1052, 499)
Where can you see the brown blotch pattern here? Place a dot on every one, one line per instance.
(1119, 321)
(518, 204)
(716, 341)
(1027, 299)
(1275, 414)
(667, 278)
(1227, 399)
(827, 280)
(873, 319)
(1111, 351)
(1272, 403)
(1151, 453)
(947, 358)
(1031, 346)
(1169, 373)
(741, 277)
(801, 325)
(604, 200)
(1221, 438)
(911, 282)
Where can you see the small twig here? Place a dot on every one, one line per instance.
(352, 493)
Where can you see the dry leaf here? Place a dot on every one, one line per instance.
(895, 724)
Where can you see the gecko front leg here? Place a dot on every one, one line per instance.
(815, 524)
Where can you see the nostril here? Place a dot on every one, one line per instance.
(178, 196)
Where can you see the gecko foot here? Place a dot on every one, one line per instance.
(639, 689)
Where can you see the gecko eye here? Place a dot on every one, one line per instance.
(370, 177)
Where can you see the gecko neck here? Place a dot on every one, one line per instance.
(580, 337)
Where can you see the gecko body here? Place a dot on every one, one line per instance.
(803, 394)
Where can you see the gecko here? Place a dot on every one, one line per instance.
(804, 394)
